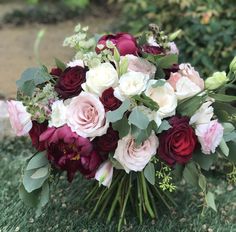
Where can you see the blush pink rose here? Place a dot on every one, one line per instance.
(209, 136)
(86, 116)
(138, 64)
(135, 157)
(20, 119)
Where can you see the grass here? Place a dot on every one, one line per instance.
(65, 212)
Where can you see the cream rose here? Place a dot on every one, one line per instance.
(100, 78)
(138, 64)
(58, 115)
(135, 157)
(86, 116)
(20, 119)
(164, 96)
(130, 84)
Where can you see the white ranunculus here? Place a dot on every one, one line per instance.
(139, 64)
(58, 115)
(130, 84)
(75, 63)
(203, 114)
(133, 157)
(100, 78)
(104, 173)
(164, 96)
(186, 88)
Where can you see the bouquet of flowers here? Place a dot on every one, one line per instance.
(128, 116)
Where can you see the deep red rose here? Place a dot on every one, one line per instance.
(124, 42)
(177, 143)
(151, 49)
(69, 82)
(56, 72)
(108, 142)
(36, 130)
(68, 151)
(109, 101)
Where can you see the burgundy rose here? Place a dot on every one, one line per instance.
(108, 142)
(125, 43)
(69, 83)
(177, 143)
(56, 72)
(68, 151)
(36, 130)
(109, 101)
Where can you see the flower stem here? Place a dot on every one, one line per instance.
(140, 212)
(94, 190)
(152, 200)
(162, 198)
(115, 200)
(145, 195)
(124, 204)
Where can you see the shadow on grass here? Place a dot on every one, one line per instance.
(66, 211)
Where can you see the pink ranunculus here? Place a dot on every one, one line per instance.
(86, 116)
(174, 78)
(20, 119)
(209, 135)
(138, 64)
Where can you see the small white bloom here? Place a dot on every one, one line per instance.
(130, 84)
(104, 173)
(100, 78)
(135, 157)
(75, 63)
(164, 96)
(173, 48)
(152, 41)
(203, 114)
(138, 64)
(58, 115)
(186, 88)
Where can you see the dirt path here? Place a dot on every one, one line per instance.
(16, 46)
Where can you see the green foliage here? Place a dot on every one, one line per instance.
(208, 28)
(149, 173)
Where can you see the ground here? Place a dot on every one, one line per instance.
(17, 44)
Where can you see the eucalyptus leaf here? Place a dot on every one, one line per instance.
(30, 199)
(113, 116)
(210, 200)
(204, 161)
(139, 119)
(223, 97)
(159, 83)
(37, 161)
(202, 182)
(232, 151)
(224, 148)
(149, 173)
(40, 173)
(165, 125)
(122, 126)
(167, 61)
(191, 174)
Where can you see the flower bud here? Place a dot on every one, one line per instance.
(216, 80)
(232, 65)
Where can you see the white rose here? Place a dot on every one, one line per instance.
(164, 96)
(100, 78)
(86, 116)
(135, 157)
(104, 173)
(58, 115)
(130, 84)
(138, 64)
(75, 63)
(203, 114)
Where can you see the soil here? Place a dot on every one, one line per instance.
(17, 43)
